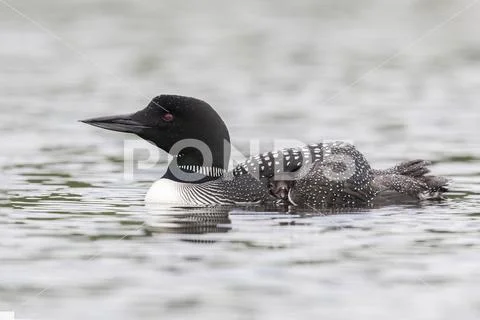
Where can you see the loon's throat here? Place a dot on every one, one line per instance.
(196, 165)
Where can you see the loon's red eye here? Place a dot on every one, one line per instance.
(167, 117)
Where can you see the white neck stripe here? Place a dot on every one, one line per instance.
(207, 171)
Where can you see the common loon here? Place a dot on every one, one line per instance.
(317, 175)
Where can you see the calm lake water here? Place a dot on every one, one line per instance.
(400, 79)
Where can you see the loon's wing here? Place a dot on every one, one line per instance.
(339, 176)
(317, 190)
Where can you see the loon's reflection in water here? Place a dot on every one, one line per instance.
(218, 219)
(188, 220)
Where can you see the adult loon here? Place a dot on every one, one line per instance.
(318, 175)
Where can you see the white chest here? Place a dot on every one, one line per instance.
(165, 191)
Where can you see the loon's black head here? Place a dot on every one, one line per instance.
(182, 123)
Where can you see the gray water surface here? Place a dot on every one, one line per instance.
(400, 79)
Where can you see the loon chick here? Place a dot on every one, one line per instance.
(196, 137)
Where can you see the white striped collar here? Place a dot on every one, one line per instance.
(206, 171)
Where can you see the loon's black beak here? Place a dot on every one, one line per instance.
(121, 123)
